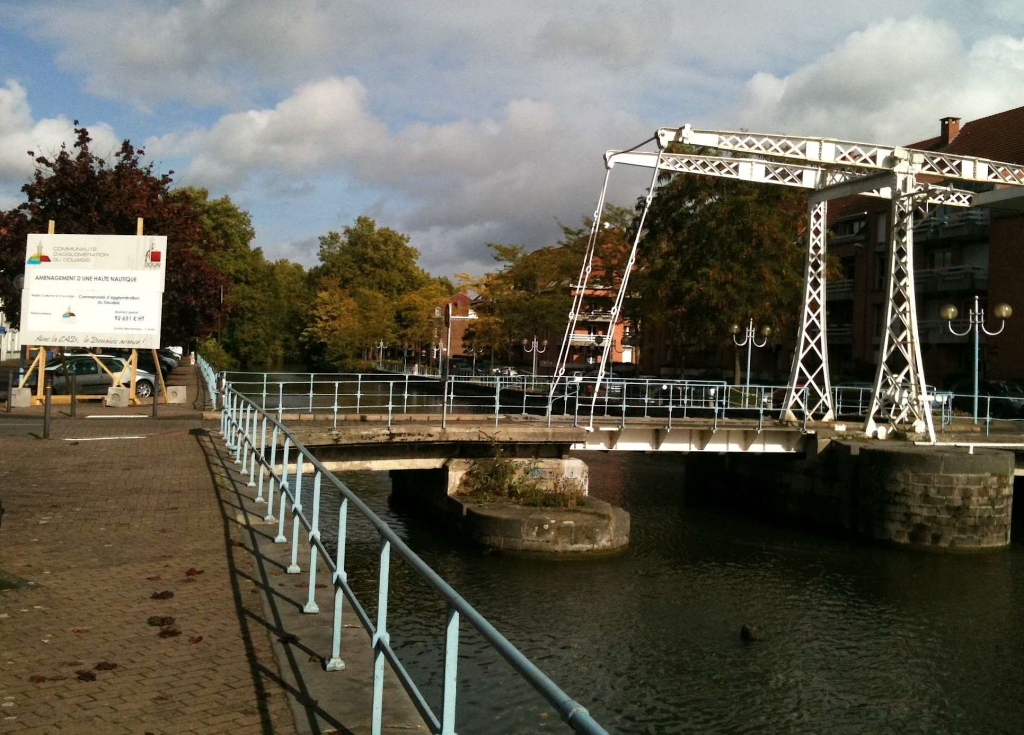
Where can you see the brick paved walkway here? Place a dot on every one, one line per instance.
(99, 527)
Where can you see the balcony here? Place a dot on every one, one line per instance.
(841, 334)
(971, 278)
(587, 340)
(840, 289)
(595, 315)
(936, 332)
(971, 224)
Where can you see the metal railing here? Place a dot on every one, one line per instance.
(390, 396)
(244, 426)
(210, 377)
(394, 396)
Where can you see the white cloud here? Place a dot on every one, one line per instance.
(321, 124)
(453, 186)
(890, 83)
(19, 134)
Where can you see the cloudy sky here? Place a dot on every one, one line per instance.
(463, 123)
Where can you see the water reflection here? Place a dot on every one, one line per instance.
(857, 638)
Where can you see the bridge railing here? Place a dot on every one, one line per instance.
(246, 428)
(391, 396)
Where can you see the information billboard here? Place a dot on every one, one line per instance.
(93, 291)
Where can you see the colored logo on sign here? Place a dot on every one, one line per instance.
(37, 257)
(68, 314)
(153, 258)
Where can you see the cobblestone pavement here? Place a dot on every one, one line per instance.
(127, 613)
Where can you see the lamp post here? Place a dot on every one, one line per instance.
(536, 350)
(749, 341)
(976, 323)
(381, 346)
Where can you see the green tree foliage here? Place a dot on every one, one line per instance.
(369, 288)
(531, 292)
(365, 256)
(716, 252)
(85, 194)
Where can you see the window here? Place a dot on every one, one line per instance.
(113, 365)
(848, 266)
(939, 258)
(878, 320)
(83, 367)
(880, 266)
(881, 229)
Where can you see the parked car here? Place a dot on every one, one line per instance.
(167, 364)
(1001, 399)
(90, 379)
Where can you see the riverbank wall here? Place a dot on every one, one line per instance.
(922, 497)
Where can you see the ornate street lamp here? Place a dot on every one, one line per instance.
(976, 323)
(749, 341)
(536, 351)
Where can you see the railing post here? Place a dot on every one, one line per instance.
(391, 394)
(311, 376)
(359, 392)
(283, 492)
(270, 483)
(444, 404)
(405, 396)
(524, 395)
(240, 443)
(497, 397)
(294, 567)
(314, 535)
(625, 388)
(380, 638)
(340, 576)
(263, 395)
(335, 406)
(280, 399)
(223, 421)
(451, 666)
(262, 455)
(671, 389)
(252, 449)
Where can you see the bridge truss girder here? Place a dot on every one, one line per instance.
(829, 169)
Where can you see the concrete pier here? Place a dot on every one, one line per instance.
(925, 497)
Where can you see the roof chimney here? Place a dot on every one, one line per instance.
(950, 129)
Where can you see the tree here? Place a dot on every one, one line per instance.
(716, 252)
(85, 194)
(529, 295)
(370, 289)
(363, 256)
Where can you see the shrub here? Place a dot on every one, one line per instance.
(216, 355)
(499, 478)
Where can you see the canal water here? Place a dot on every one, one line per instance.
(857, 638)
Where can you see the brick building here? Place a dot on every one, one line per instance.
(957, 253)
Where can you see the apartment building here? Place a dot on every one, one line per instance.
(958, 254)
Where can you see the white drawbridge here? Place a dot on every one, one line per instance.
(916, 182)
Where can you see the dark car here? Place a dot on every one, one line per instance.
(167, 364)
(1001, 399)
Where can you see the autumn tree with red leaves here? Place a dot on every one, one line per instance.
(85, 194)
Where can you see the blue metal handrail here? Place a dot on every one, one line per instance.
(244, 426)
(210, 376)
